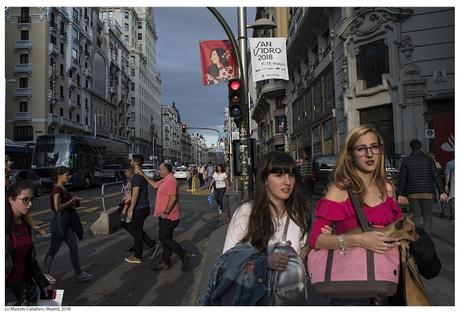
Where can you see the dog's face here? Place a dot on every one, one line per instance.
(405, 229)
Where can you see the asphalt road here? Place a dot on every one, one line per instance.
(117, 283)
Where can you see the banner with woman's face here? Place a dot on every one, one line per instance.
(217, 61)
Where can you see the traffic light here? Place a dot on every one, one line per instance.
(235, 96)
(184, 128)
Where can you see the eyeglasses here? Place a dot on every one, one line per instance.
(26, 200)
(361, 150)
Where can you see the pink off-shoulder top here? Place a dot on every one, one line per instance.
(344, 216)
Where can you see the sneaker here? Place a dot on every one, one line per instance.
(128, 220)
(162, 266)
(83, 277)
(50, 279)
(185, 263)
(133, 259)
(219, 210)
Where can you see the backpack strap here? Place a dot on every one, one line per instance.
(286, 226)
(359, 212)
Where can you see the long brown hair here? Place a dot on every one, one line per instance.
(261, 224)
(13, 191)
(344, 175)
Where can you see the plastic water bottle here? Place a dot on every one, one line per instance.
(209, 199)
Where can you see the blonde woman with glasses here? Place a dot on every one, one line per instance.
(360, 169)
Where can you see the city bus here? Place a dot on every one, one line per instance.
(20, 154)
(83, 155)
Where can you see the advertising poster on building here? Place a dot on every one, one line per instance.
(218, 64)
(268, 58)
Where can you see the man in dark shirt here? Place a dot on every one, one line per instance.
(138, 211)
(416, 187)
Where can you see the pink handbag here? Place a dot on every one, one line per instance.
(359, 273)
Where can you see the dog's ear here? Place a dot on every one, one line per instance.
(409, 216)
(399, 224)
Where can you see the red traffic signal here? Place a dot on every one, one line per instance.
(234, 84)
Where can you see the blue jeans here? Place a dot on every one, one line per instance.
(219, 196)
(56, 242)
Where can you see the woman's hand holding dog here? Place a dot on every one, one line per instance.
(373, 240)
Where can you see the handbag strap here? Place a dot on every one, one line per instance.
(359, 212)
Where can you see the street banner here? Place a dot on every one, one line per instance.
(217, 62)
(268, 58)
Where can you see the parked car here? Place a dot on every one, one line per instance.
(18, 175)
(181, 172)
(109, 173)
(323, 166)
(151, 171)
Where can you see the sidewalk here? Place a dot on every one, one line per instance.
(441, 288)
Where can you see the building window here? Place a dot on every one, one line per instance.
(61, 112)
(70, 94)
(23, 106)
(62, 48)
(78, 80)
(24, 59)
(139, 25)
(23, 82)
(133, 72)
(75, 14)
(133, 101)
(126, 39)
(23, 133)
(61, 70)
(75, 56)
(61, 92)
(126, 14)
(53, 39)
(133, 88)
(78, 100)
(139, 36)
(281, 125)
(78, 118)
(51, 108)
(86, 103)
(70, 115)
(126, 27)
(371, 62)
(86, 83)
(86, 121)
(24, 35)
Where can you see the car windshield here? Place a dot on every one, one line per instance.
(51, 152)
(181, 169)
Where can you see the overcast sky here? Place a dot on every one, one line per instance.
(179, 31)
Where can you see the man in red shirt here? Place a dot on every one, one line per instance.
(167, 210)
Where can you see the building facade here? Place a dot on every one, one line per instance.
(392, 68)
(171, 134)
(50, 80)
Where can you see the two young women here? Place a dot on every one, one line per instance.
(278, 196)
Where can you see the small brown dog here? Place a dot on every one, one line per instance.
(403, 229)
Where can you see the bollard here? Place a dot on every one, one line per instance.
(109, 219)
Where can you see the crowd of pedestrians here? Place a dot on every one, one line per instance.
(280, 210)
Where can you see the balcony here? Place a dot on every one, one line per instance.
(23, 44)
(71, 83)
(24, 20)
(87, 72)
(53, 49)
(22, 68)
(71, 104)
(22, 92)
(22, 116)
(273, 88)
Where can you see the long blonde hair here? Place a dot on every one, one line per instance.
(344, 175)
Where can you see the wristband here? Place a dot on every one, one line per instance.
(341, 240)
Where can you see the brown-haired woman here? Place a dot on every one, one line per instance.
(63, 225)
(21, 268)
(278, 196)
